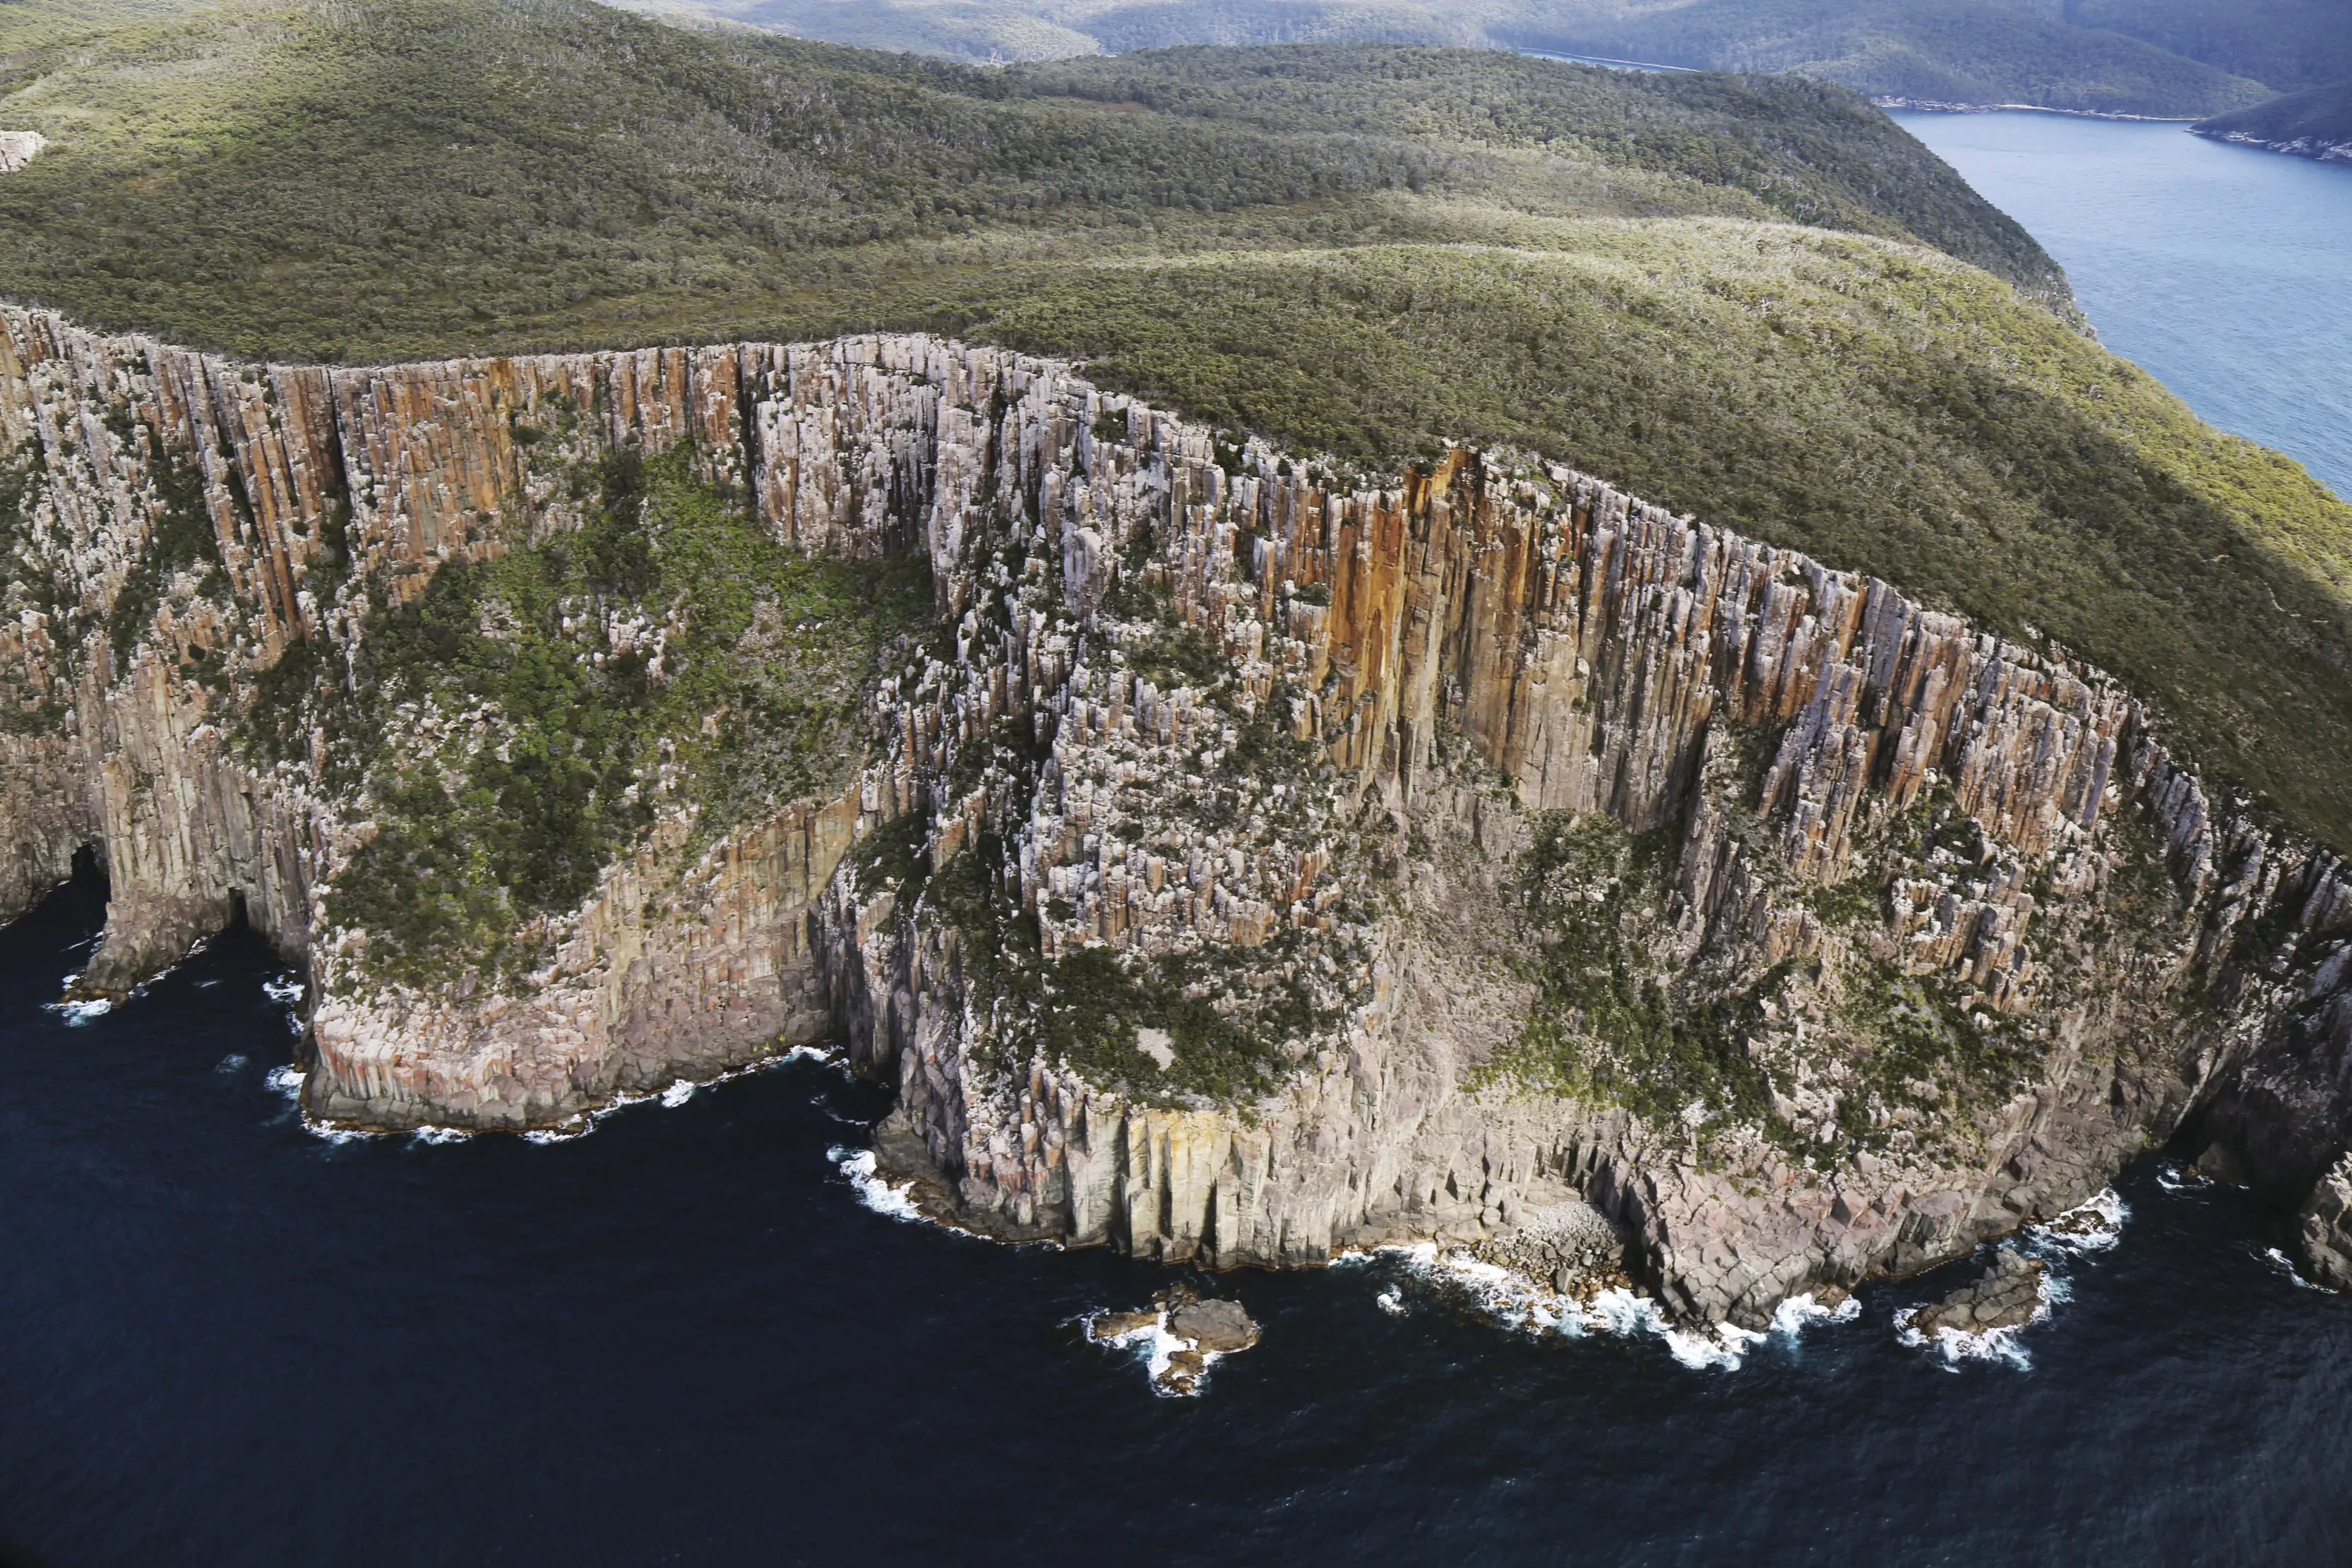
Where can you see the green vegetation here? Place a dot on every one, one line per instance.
(1949, 51)
(1227, 1011)
(2322, 115)
(518, 724)
(1920, 1032)
(1803, 152)
(1616, 1021)
(2284, 44)
(2180, 57)
(1883, 411)
(411, 177)
(183, 536)
(1612, 1021)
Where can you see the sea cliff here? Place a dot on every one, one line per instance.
(1240, 857)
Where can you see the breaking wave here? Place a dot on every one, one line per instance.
(1152, 1344)
(76, 1014)
(1525, 1305)
(873, 1191)
(1957, 1347)
(572, 1128)
(2094, 1224)
(2285, 1265)
(288, 1082)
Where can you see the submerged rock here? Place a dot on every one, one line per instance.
(1104, 1327)
(2005, 1294)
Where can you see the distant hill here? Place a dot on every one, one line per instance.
(398, 177)
(2284, 44)
(1949, 51)
(2172, 58)
(2313, 124)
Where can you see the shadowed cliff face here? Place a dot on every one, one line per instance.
(1227, 856)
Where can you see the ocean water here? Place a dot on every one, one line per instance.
(2224, 271)
(688, 1338)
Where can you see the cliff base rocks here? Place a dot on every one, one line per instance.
(2324, 1229)
(1572, 1246)
(2005, 1294)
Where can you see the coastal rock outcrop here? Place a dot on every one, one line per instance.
(1183, 1332)
(1244, 858)
(2005, 1294)
(2327, 150)
(2324, 1227)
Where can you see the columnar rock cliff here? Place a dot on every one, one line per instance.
(1243, 860)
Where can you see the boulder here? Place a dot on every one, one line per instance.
(2006, 1293)
(1215, 1325)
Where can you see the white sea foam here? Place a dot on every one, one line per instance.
(2094, 1225)
(873, 1191)
(76, 1014)
(288, 1082)
(439, 1136)
(2173, 1177)
(1152, 1346)
(231, 1064)
(2285, 1265)
(1800, 1312)
(1391, 1301)
(1956, 1346)
(285, 991)
(1528, 1306)
(680, 1090)
(573, 1128)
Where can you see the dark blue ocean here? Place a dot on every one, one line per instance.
(684, 1339)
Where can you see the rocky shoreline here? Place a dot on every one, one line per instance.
(2325, 150)
(1256, 860)
(1937, 105)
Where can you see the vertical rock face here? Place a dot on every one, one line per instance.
(1254, 858)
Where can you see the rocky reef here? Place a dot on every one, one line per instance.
(1228, 855)
(2327, 149)
(2005, 1293)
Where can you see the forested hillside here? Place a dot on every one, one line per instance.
(2317, 122)
(2176, 57)
(409, 176)
(2282, 44)
(1356, 249)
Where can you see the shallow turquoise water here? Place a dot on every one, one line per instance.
(2224, 271)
